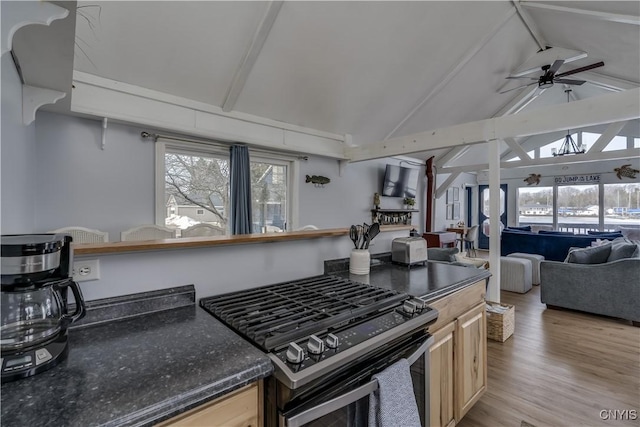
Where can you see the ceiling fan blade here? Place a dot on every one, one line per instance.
(556, 65)
(577, 70)
(519, 87)
(522, 77)
(570, 81)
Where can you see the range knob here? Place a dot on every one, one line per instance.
(332, 341)
(409, 307)
(420, 304)
(295, 354)
(315, 345)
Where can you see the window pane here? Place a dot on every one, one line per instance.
(578, 208)
(617, 143)
(269, 197)
(535, 205)
(621, 205)
(196, 190)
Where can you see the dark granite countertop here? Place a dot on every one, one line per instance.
(136, 372)
(429, 282)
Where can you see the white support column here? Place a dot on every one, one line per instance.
(493, 293)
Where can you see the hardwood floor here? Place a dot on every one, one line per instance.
(560, 368)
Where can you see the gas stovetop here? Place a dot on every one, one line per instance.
(312, 325)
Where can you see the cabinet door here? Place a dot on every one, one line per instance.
(238, 409)
(470, 358)
(441, 377)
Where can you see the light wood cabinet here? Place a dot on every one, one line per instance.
(458, 357)
(470, 358)
(241, 408)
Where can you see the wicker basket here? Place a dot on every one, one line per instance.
(500, 326)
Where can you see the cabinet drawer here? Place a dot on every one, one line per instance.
(238, 409)
(451, 306)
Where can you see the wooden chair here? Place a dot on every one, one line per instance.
(203, 229)
(147, 232)
(84, 235)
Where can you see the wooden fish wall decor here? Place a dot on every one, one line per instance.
(533, 178)
(626, 171)
(317, 180)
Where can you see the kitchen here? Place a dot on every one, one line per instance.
(119, 178)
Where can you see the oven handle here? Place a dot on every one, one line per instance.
(347, 398)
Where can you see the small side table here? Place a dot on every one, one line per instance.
(440, 239)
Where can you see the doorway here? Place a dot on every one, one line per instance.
(483, 213)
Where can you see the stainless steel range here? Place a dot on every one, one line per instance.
(326, 337)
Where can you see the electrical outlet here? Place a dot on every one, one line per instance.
(86, 270)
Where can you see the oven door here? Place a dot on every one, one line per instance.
(344, 400)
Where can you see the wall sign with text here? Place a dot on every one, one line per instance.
(578, 179)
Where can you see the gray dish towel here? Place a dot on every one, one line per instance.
(394, 403)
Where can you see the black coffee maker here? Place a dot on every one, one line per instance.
(36, 274)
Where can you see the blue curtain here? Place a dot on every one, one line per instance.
(240, 190)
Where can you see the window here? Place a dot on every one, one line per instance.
(196, 185)
(617, 143)
(193, 187)
(621, 205)
(535, 205)
(578, 208)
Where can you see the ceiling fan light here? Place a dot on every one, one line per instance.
(545, 84)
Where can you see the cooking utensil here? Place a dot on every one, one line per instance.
(353, 235)
(374, 230)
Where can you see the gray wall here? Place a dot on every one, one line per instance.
(113, 189)
(17, 155)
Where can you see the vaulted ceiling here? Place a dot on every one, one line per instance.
(374, 70)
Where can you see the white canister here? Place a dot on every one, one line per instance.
(360, 261)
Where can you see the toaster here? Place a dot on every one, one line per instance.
(409, 250)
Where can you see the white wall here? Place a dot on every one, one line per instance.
(78, 183)
(440, 211)
(17, 153)
(348, 199)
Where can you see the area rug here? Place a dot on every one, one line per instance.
(526, 424)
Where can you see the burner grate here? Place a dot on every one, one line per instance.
(274, 315)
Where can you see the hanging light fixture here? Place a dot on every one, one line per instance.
(569, 146)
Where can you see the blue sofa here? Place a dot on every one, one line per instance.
(554, 247)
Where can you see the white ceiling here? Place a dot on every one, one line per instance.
(370, 69)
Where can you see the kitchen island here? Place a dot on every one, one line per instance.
(137, 371)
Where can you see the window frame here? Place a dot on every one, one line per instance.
(162, 147)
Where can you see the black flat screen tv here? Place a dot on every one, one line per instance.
(400, 182)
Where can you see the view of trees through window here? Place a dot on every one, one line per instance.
(197, 191)
(578, 206)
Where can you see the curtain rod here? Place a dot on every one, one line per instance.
(211, 143)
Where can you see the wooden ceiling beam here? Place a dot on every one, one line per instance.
(454, 71)
(518, 150)
(606, 137)
(251, 55)
(613, 107)
(612, 84)
(578, 158)
(603, 16)
(531, 25)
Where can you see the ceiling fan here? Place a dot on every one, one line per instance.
(549, 78)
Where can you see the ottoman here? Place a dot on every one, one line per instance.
(515, 274)
(535, 264)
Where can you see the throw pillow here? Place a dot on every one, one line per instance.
(605, 234)
(621, 250)
(560, 233)
(442, 254)
(591, 255)
(523, 228)
(479, 263)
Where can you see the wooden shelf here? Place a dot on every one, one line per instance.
(202, 242)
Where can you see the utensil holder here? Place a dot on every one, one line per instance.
(360, 261)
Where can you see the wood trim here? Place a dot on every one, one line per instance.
(203, 242)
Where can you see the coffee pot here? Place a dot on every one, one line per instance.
(35, 279)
